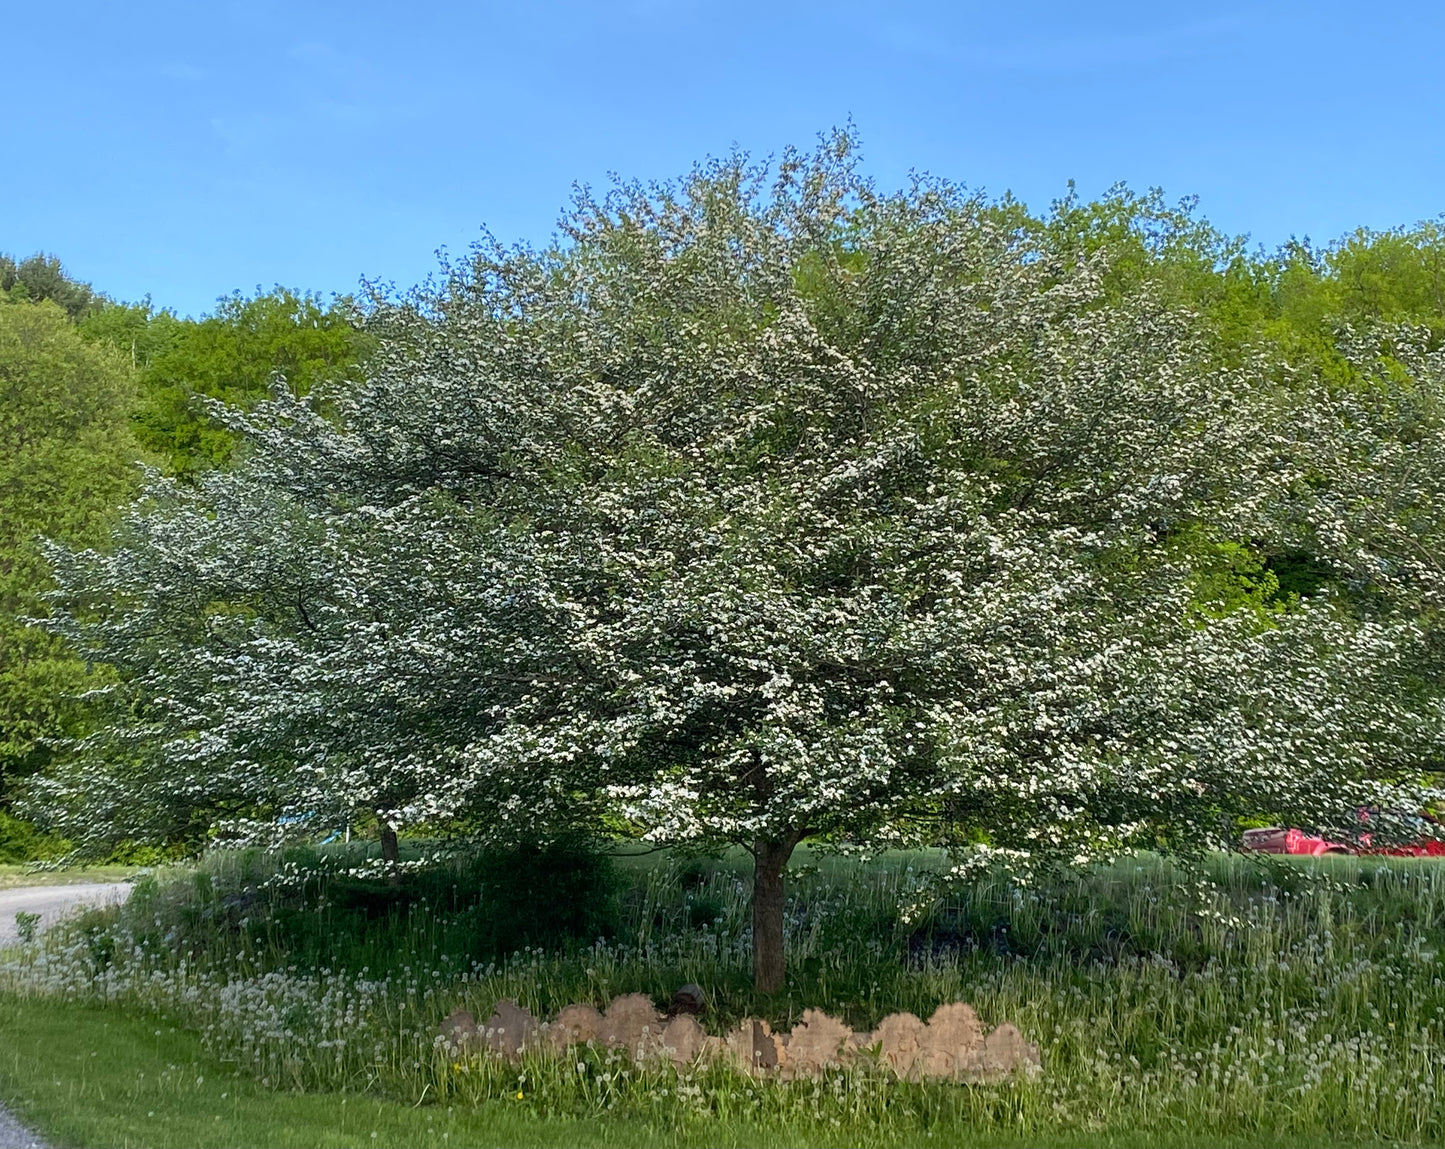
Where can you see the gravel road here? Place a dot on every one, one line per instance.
(49, 902)
(52, 901)
(13, 1135)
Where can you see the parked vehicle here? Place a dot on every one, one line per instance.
(1278, 840)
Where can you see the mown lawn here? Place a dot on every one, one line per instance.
(98, 1077)
(14, 876)
(277, 1001)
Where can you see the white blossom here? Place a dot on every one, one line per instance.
(750, 511)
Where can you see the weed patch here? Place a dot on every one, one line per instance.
(1255, 1002)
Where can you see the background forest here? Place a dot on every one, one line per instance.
(98, 390)
(548, 633)
(94, 392)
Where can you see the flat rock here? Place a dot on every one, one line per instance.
(953, 1044)
(752, 1045)
(685, 1041)
(901, 1040)
(459, 1029)
(575, 1025)
(818, 1041)
(1005, 1051)
(510, 1029)
(632, 1023)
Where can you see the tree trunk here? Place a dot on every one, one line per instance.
(770, 861)
(390, 853)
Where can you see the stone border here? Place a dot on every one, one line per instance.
(951, 1046)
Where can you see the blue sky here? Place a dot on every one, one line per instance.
(186, 150)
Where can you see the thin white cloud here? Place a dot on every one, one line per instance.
(188, 73)
(1082, 53)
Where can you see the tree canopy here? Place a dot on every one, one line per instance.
(67, 462)
(92, 388)
(231, 355)
(41, 277)
(766, 506)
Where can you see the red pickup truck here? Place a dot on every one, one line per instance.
(1277, 840)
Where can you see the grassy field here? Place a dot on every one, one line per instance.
(1257, 1003)
(14, 876)
(99, 1077)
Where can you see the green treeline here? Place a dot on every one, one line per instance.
(92, 390)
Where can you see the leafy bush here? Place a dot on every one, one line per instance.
(22, 841)
(538, 895)
(307, 909)
(1261, 1003)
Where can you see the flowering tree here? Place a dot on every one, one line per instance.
(1373, 448)
(1372, 456)
(754, 512)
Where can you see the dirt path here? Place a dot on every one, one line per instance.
(50, 902)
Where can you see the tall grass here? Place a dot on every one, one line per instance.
(1293, 999)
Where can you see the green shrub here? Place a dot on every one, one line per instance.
(24, 842)
(302, 909)
(546, 895)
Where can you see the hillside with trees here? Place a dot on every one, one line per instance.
(92, 392)
(768, 508)
(748, 513)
